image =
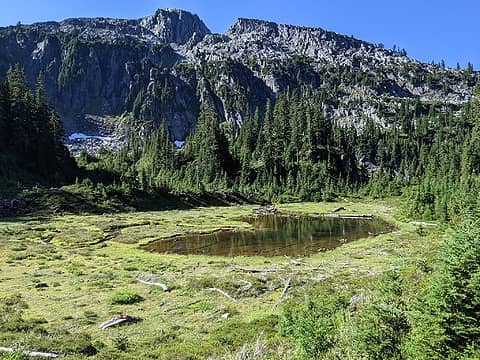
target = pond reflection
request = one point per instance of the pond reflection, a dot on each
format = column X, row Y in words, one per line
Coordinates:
column 274, row 235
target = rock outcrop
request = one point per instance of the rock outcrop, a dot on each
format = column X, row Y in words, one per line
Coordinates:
column 175, row 26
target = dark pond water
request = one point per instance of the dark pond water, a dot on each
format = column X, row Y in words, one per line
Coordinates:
column 275, row 235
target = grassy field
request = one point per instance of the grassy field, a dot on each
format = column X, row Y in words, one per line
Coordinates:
column 65, row 275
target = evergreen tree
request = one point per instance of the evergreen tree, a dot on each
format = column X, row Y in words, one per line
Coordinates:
column 208, row 147
column 31, row 131
column 446, row 322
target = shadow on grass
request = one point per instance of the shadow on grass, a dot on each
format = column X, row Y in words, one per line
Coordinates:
column 78, row 200
column 89, row 195
column 185, row 201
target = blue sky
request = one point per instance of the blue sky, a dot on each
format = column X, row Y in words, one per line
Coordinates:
column 428, row 30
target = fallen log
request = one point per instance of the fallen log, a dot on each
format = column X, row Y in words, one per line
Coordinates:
column 48, row 355
column 259, row 271
column 284, row 292
column 223, row 293
column 341, row 208
column 298, row 263
column 422, row 224
column 152, row 283
column 122, row 319
column 267, row 210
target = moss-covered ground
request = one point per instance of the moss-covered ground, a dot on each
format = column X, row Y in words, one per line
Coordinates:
column 70, row 271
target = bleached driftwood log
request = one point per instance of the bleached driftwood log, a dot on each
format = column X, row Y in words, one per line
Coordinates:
column 123, row 319
column 48, row 355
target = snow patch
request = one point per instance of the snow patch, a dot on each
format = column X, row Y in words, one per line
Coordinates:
column 81, row 136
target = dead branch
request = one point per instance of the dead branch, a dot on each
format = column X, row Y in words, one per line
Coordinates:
column 182, row 306
column 284, row 292
column 223, row 293
column 152, row 283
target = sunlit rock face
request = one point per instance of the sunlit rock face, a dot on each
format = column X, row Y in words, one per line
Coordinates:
column 175, row 26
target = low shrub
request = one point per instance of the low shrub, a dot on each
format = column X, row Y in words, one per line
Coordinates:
column 314, row 326
column 126, row 297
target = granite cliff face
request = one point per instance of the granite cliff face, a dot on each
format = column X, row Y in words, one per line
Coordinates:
column 160, row 68
column 175, row 26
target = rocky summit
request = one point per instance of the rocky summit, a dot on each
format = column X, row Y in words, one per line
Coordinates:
column 103, row 73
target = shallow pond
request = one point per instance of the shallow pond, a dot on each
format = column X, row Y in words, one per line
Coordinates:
column 274, row 235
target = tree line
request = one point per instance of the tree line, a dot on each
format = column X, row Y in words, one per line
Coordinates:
column 290, row 149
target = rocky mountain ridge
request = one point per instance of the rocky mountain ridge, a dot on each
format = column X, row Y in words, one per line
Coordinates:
column 165, row 26
column 160, row 68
